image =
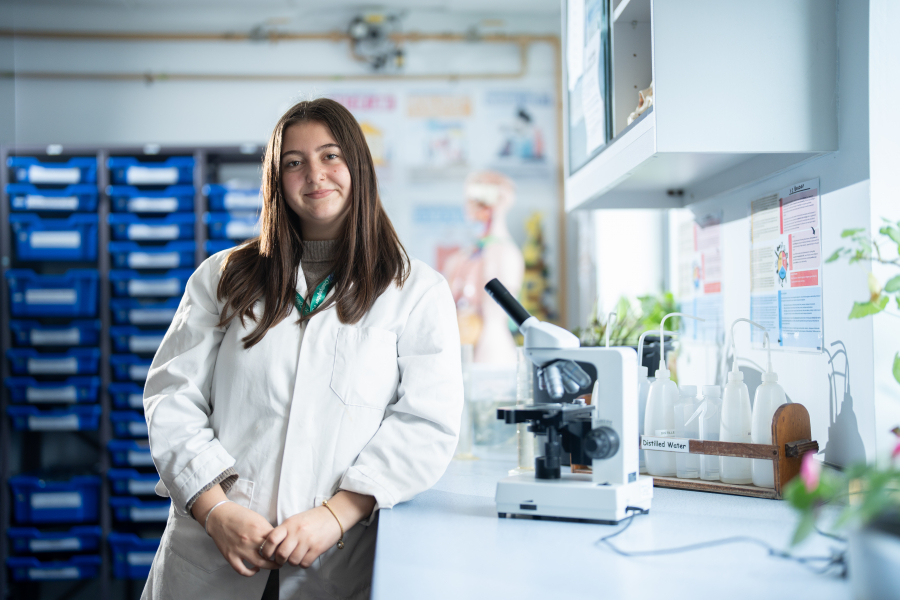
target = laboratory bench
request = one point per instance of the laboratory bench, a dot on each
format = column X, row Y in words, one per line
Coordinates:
column 449, row 543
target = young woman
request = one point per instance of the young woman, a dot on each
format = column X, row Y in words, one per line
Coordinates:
column 309, row 378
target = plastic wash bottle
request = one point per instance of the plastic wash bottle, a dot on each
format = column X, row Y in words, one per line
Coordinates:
column 687, row 466
column 769, row 396
column 659, row 419
column 644, row 382
column 735, row 424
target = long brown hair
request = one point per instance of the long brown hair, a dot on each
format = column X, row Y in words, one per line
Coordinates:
column 369, row 258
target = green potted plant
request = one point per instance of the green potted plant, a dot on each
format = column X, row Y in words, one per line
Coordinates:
column 870, row 492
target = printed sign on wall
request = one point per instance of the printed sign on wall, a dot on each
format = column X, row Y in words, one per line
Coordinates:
column 786, row 267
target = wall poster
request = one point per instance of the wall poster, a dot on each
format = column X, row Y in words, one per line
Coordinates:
column 700, row 278
column 786, row 268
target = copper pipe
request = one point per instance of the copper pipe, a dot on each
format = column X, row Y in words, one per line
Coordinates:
column 151, row 77
column 273, row 36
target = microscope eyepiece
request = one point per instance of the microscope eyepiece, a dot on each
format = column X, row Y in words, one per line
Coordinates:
column 510, row 305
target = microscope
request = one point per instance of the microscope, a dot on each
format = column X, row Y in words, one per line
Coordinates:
column 603, row 434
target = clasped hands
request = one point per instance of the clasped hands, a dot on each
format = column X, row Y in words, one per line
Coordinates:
column 245, row 538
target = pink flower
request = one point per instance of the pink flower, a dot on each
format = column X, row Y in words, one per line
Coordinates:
column 810, row 471
column 896, row 451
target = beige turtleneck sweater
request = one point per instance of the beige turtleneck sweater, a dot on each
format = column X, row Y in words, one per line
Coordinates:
column 317, row 260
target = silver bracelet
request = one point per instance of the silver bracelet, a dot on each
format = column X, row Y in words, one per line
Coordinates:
column 215, row 506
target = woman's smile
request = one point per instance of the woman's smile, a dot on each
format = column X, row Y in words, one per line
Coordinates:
column 317, row 194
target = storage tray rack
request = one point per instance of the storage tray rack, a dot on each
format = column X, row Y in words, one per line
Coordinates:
column 233, row 217
column 153, row 252
column 51, row 365
column 97, row 245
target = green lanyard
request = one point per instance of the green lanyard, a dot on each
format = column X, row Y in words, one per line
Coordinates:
column 321, row 291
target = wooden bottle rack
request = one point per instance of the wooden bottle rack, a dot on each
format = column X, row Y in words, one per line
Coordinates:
column 791, row 440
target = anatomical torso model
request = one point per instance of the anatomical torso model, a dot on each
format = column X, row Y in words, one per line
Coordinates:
column 489, row 196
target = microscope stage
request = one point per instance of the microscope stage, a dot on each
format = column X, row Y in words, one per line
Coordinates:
column 574, row 496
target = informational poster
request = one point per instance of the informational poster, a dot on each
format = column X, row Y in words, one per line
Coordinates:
column 786, row 267
column 378, row 118
column 515, row 124
column 700, row 278
column 438, row 230
column 436, row 140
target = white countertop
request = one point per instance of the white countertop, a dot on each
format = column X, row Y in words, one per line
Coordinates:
column 449, row 543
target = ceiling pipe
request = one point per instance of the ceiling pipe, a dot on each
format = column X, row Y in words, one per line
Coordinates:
column 522, row 41
column 272, row 36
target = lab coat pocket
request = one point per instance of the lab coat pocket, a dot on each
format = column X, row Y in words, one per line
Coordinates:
column 189, row 540
column 365, row 367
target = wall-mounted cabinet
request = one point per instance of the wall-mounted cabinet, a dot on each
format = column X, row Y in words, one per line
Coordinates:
column 741, row 90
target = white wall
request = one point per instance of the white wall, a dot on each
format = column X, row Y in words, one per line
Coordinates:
column 844, row 423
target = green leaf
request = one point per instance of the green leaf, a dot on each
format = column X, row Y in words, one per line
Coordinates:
column 897, row 365
column 805, row 526
column 864, row 309
column 835, row 256
column 893, row 285
column 891, row 232
column 851, row 232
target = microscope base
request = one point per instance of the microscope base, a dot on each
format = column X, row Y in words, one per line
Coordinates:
column 574, row 496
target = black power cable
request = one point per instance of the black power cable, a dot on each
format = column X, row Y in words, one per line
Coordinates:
column 837, row 558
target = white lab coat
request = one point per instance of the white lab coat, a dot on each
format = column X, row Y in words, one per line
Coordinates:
column 372, row 408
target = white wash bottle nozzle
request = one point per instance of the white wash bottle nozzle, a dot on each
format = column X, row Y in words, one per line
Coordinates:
column 769, row 396
column 659, row 417
column 736, row 417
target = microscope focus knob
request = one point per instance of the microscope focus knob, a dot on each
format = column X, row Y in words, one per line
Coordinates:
column 602, row 442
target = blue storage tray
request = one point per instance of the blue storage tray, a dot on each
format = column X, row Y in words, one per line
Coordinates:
column 129, row 170
column 28, row 540
column 175, row 198
column 132, row 555
column 132, row 311
column 223, row 198
column 28, row 169
column 129, row 482
column 128, row 226
column 131, row 339
column 37, row 500
column 78, row 197
column 29, row 568
column 28, row 390
column 127, row 395
column 131, row 255
column 135, row 510
column 69, row 239
column 71, row 295
column 216, row 246
column 128, row 367
column 228, row 226
column 76, row 333
column 128, row 282
column 77, row 361
column 130, row 453
column 128, row 424
column 81, row 417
